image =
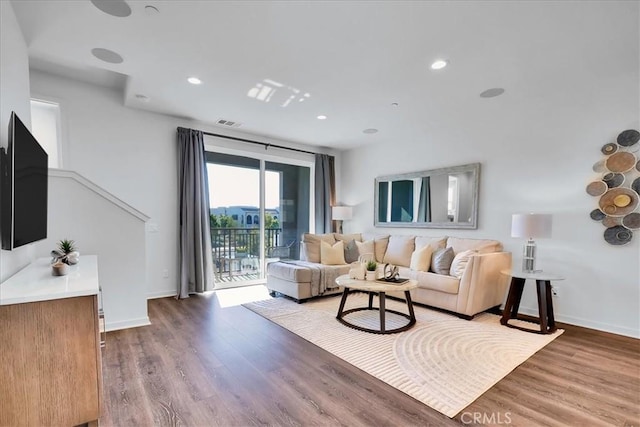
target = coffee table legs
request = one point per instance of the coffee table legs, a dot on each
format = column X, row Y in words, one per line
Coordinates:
column 382, row 309
column 382, row 298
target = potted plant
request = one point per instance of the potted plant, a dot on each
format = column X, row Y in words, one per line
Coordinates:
column 66, row 252
column 371, row 270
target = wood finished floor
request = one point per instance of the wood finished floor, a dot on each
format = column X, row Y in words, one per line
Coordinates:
column 202, row 365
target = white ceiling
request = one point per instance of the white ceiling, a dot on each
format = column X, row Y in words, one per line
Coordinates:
column 353, row 59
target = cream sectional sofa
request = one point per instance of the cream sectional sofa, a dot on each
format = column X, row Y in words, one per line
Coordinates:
column 475, row 287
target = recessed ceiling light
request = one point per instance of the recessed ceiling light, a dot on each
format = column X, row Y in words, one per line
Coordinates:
column 394, row 104
column 439, row 64
column 492, row 93
column 370, row 131
column 194, row 80
column 118, row 8
column 106, row 55
column 322, row 117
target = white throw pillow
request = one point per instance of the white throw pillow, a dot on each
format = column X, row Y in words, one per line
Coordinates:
column 366, row 248
column 332, row 255
column 421, row 259
column 460, row 262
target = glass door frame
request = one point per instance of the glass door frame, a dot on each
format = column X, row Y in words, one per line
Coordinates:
column 220, row 145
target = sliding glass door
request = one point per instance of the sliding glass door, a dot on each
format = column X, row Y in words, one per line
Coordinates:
column 258, row 210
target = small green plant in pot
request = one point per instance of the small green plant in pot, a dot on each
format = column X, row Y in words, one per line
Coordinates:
column 66, row 252
column 371, row 270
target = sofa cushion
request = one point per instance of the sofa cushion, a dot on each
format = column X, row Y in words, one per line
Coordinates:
column 481, row 245
column 437, row 282
column 351, row 252
column 348, row 237
column 291, row 272
column 460, row 261
column 332, row 254
column 399, row 250
column 442, row 259
column 311, row 245
column 421, row 258
column 366, row 248
column 435, row 242
column 380, row 242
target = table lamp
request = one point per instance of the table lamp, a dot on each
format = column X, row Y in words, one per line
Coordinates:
column 339, row 214
column 530, row 226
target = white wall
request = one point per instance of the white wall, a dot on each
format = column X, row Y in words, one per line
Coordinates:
column 100, row 227
column 14, row 96
column 132, row 154
column 537, row 154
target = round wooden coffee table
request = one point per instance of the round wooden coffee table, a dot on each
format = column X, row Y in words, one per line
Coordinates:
column 372, row 288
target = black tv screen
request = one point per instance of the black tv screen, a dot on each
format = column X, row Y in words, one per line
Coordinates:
column 24, row 189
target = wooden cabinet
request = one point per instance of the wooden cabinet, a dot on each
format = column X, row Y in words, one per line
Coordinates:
column 50, row 360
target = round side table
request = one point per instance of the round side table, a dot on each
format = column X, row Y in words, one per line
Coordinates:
column 545, row 303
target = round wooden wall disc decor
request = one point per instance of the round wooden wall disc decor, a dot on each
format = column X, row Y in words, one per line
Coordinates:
column 617, row 235
column 628, row 137
column 621, row 162
column 613, row 179
column 622, row 201
column 635, row 185
column 609, row 148
column 597, row 188
column 608, row 205
column 638, row 166
column 600, row 167
column 632, row 221
column 597, row 215
column 611, row 221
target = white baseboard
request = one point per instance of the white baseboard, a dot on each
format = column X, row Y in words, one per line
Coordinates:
column 586, row 323
column 125, row 324
column 161, row 294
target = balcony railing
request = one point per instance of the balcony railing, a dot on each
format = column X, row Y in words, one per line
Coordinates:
column 236, row 250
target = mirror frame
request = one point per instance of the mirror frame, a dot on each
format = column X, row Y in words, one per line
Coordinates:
column 474, row 168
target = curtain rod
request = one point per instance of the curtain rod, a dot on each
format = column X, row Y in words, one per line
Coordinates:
column 265, row 144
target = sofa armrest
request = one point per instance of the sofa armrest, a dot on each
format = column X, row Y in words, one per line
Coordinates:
column 482, row 286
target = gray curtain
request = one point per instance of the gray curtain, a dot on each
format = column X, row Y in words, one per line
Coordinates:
column 196, row 263
column 424, row 206
column 325, row 194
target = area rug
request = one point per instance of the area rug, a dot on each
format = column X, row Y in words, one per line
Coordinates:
column 443, row 361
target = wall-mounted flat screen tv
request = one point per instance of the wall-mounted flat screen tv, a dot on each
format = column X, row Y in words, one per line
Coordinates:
column 24, row 176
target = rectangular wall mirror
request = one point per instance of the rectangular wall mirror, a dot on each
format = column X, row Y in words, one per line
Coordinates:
column 438, row 198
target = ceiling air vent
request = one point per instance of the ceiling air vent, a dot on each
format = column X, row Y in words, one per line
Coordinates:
column 228, row 123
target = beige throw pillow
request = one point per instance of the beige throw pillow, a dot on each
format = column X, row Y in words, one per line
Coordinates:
column 332, row 255
column 399, row 250
column 366, row 248
column 421, row 259
column 312, row 245
column 460, row 262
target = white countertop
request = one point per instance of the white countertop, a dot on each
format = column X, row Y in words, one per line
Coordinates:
column 35, row 282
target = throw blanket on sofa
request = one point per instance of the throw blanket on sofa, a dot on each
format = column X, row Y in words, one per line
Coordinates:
column 323, row 277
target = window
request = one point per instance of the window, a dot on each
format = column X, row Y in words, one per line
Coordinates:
column 45, row 126
column 249, row 219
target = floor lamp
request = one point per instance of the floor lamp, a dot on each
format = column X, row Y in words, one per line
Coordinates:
column 339, row 214
column 530, row 226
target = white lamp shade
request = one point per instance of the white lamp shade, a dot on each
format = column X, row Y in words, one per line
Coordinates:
column 531, row 225
column 341, row 212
